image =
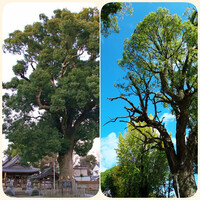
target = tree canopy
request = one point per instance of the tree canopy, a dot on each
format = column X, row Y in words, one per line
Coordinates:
column 54, row 103
column 161, row 60
column 110, row 14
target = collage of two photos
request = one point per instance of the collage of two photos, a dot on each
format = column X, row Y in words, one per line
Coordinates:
column 100, row 101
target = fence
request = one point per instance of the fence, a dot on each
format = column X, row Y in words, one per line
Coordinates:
column 83, row 188
column 63, row 193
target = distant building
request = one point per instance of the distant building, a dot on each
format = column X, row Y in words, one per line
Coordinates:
column 95, row 172
column 81, row 174
column 12, row 169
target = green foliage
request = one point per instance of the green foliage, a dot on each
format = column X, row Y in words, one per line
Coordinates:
column 192, row 15
column 108, row 180
column 12, row 150
column 34, row 140
column 163, row 44
column 53, row 79
column 110, row 14
column 142, row 168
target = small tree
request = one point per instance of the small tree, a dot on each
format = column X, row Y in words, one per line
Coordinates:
column 142, row 168
column 54, row 79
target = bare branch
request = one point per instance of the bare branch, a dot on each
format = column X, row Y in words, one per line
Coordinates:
column 32, row 66
column 115, row 119
column 124, row 98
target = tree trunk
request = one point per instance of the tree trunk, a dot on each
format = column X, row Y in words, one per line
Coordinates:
column 66, row 164
column 185, row 158
column 66, row 161
column 184, row 183
column 66, row 168
column 144, row 188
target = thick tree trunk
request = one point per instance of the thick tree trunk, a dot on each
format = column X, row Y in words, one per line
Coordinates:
column 66, row 169
column 185, row 157
column 181, row 167
column 184, row 184
column 144, row 189
column 66, row 164
column 66, row 160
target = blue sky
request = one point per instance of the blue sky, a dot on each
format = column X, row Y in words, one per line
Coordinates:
column 111, row 51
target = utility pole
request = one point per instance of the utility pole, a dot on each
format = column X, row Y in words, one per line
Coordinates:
column 54, row 174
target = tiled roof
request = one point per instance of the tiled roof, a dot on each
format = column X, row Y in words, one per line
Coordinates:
column 12, row 165
column 24, row 170
column 7, row 159
column 12, row 161
column 46, row 172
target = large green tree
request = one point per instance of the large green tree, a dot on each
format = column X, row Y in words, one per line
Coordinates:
column 53, row 78
column 161, row 59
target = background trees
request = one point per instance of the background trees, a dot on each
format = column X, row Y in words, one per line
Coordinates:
column 142, row 170
column 54, row 105
column 161, row 60
column 108, row 180
column 142, row 167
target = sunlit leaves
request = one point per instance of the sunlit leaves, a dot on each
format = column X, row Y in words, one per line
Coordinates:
column 162, row 43
column 139, row 162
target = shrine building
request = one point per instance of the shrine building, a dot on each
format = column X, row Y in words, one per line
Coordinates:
column 12, row 169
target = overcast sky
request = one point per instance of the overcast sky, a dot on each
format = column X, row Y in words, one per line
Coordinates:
column 16, row 16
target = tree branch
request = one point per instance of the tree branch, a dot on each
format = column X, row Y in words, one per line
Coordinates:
column 41, row 106
column 166, row 89
column 25, row 78
column 165, row 137
column 82, row 116
column 65, row 64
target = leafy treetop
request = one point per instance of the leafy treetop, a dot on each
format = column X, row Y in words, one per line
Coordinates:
column 53, row 79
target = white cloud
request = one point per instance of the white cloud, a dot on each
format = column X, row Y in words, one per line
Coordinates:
column 95, row 149
column 108, row 153
column 174, row 141
column 103, row 169
column 168, row 117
